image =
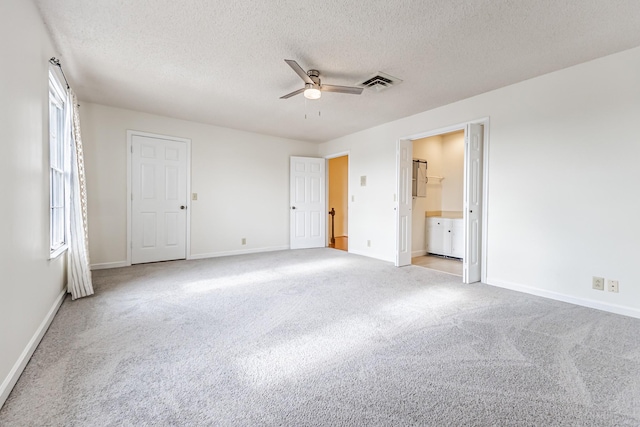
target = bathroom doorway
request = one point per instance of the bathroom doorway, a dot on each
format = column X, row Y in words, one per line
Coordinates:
column 441, row 239
column 437, row 231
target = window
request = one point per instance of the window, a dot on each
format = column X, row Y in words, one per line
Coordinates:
column 58, row 165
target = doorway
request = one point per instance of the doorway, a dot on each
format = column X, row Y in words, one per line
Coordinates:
column 437, row 237
column 338, row 202
column 444, row 229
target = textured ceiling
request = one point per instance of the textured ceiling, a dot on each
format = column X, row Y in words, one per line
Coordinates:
column 221, row 62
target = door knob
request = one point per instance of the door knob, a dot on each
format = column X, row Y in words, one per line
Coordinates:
column 293, row 207
column 183, row 207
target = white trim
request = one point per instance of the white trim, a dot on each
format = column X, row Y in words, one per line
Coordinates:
column 584, row 302
column 485, row 199
column 56, row 253
column 61, row 99
column 17, row 369
column 485, row 121
column 130, row 135
column 188, row 204
column 240, row 252
column 336, row 155
column 440, row 131
column 106, row 265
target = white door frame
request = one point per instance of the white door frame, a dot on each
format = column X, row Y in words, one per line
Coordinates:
column 326, row 186
column 130, row 135
column 485, row 179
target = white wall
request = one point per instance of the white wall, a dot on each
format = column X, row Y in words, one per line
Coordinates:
column 241, row 178
column 563, row 176
column 429, row 149
column 31, row 286
column 453, row 171
column 373, row 204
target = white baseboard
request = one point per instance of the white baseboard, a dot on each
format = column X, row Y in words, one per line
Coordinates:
column 585, row 302
column 106, row 265
column 21, row 363
column 421, row 252
column 238, row 252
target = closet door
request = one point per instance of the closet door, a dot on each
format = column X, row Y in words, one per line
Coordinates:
column 472, row 202
column 404, row 163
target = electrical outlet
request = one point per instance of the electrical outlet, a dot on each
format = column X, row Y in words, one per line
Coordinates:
column 244, row 240
column 369, row 243
column 612, row 286
column 598, row 283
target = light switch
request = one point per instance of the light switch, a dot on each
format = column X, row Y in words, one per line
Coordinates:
column 194, row 196
column 363, row 181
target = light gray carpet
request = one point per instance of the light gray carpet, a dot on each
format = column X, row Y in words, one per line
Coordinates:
column 322, row 337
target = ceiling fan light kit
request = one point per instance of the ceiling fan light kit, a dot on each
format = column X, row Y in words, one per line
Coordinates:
column 313, row 88
column 312, row 92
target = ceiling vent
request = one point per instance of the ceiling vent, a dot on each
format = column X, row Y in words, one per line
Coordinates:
column 379, row 82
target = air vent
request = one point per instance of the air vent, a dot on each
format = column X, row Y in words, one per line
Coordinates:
column 379, row 82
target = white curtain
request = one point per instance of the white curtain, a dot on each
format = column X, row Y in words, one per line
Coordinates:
column 78, row 271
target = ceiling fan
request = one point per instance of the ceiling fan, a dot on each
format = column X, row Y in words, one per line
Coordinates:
column 312, row 87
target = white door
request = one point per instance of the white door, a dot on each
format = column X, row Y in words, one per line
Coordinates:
column 472, row 203
column 307, row 207
column 158, row 199
column 404, row 156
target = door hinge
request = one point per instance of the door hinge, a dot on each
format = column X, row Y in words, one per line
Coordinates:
column 132, row 148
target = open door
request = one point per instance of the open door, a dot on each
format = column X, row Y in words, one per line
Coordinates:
column 404, row 157
column 307, row 203
column 471, row 271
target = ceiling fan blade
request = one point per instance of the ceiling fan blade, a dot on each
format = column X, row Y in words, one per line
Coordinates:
column 298, row 69
column 342, row 89
column 289, row 95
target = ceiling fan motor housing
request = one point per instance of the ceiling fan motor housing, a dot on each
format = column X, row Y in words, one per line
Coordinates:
column 314, row 75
